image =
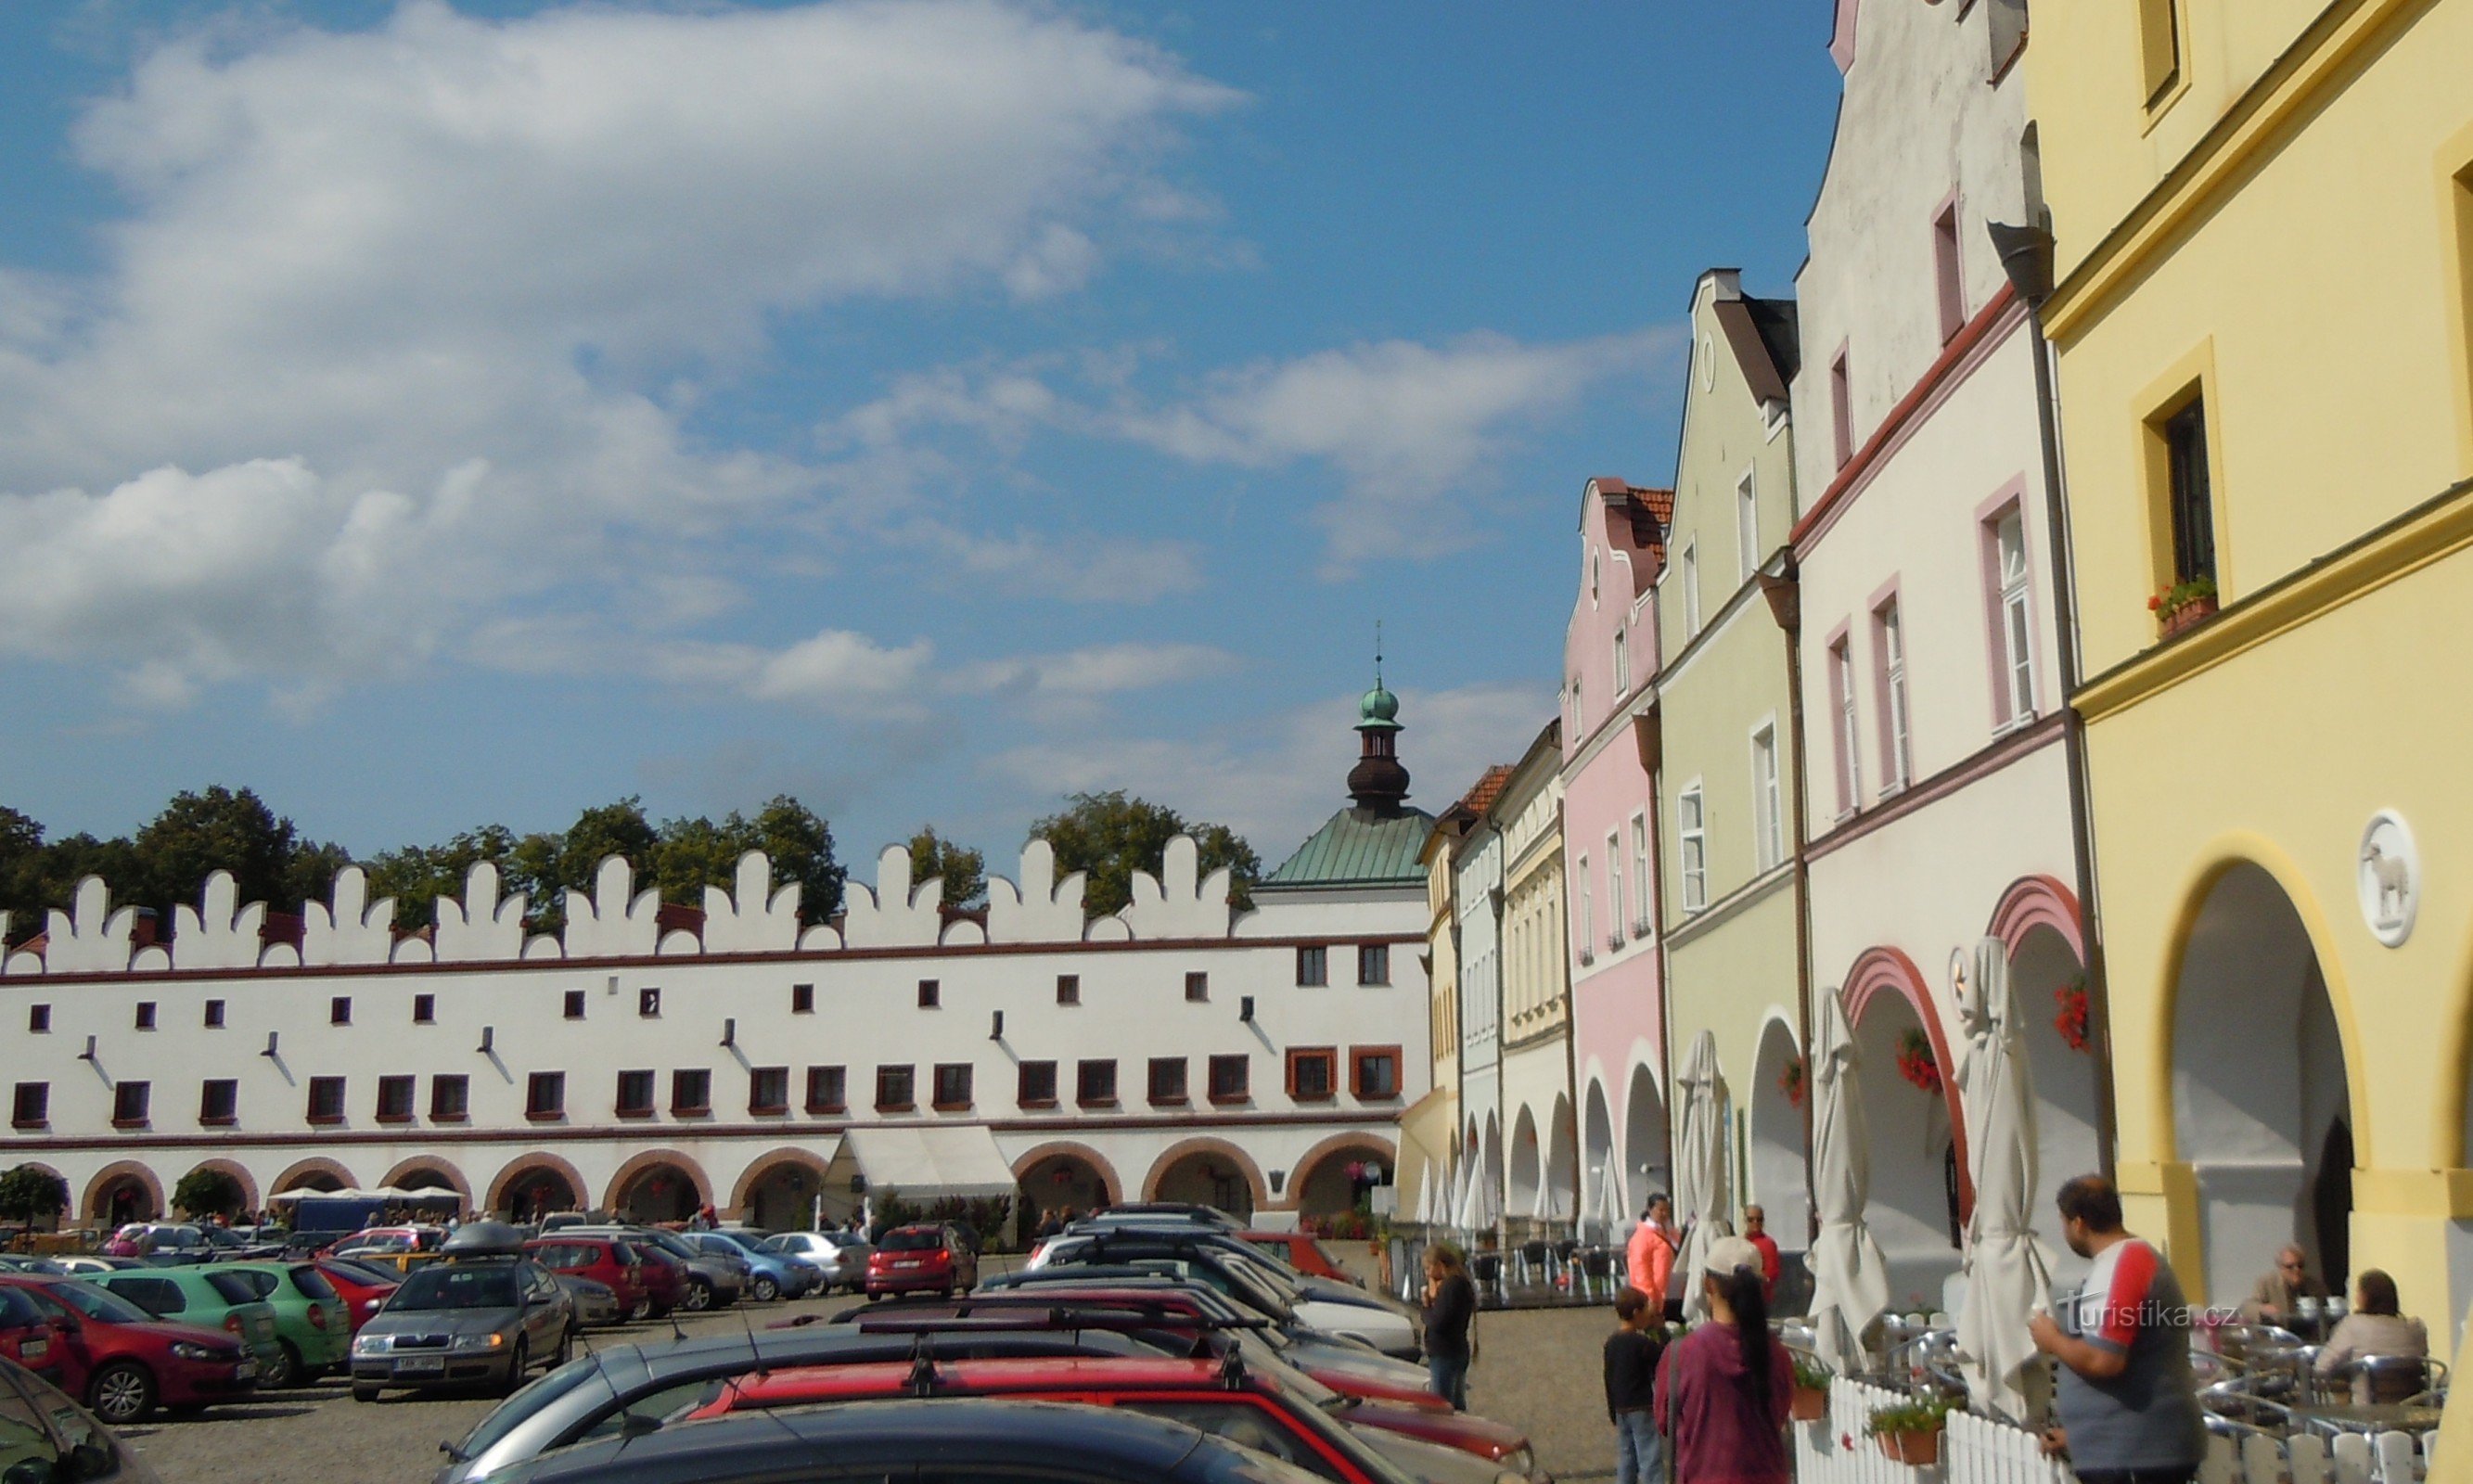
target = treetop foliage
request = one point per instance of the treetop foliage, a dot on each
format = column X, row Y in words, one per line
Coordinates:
column 1111, row 835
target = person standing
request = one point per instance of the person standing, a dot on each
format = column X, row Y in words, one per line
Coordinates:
column 1724, row 1389
column 1451, row 1323
column 1648, row 1257
column 1755, row 1230
column 2127, row 1405
column 1632, row 1352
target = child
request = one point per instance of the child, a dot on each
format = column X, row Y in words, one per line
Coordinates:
column 1631, row 1371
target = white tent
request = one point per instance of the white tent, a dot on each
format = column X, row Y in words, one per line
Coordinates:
column 936, row 1159
column 1700, row 1176
column 1850, row 1277
column 2008, row 1275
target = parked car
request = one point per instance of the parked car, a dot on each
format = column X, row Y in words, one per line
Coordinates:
column 80, row 1265
column 665, row 1277
column 485, row 1319
column 605, row 1260
column 707, row 1280
column 839, row 1258
column 46, row 1436
column 19, row 1262
column 32, row 1336
column 595, row 1303
column 924, row 1258
column 1299, row 1251
column 770, row 1274
column 363, row 1289
column 310, row 1317
column 1231, row 1266
column 124, row 1361
column 210, row 1300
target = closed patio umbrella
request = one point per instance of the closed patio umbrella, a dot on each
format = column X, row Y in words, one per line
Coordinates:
column 1850, row 1277
column 2008, row 1275
column 1700, row 1169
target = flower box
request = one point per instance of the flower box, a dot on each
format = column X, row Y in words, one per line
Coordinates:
column 1916, row 1450
column 1809, row 1403
column 2189, row 615
column 2184, row 606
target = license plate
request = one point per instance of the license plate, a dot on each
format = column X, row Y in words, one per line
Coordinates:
column 36, row 1350
column 246, row 1370
column 418, row 1364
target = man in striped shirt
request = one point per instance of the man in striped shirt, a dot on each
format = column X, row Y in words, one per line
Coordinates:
column 2128, row 1403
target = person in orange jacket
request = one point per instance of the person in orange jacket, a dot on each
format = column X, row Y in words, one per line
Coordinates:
column 1649, row 1255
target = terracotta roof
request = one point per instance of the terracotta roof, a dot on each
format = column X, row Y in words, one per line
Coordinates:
column 1488, row 787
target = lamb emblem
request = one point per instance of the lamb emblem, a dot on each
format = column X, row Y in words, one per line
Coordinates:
column 2391, row 874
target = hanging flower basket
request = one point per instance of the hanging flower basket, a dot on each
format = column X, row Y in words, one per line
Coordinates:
column 1917, row 1061
column 2072, row 1021
column 1790, row 1082
column 1811, row 1401
column 1911, row 1433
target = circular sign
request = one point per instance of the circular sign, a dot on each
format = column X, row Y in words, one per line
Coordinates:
column 2386, row 872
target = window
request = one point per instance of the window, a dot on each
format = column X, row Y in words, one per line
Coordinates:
column 573, row 1008
column 1768, row 827
column 128, row 1104
column 145, row 1015
column 1167, row 1080
column 803, row 999
column 394, row 1099
column 1841, row 411
column 1068, row 989
column 424, row 1009
column 1232, row 1078
column 1748, row 525
column 1314, row 1074
column 1640, row 898
column 1373, row 1073
column 450, row 1099
column 325, row 1099
column 2187, row 488
column 1888, row 638
column 894, row 1090
column 1374, row 963
column 691, row 1093
column 1614, row 892
column 1623, row 663
column 648, row 1002
column 1947, row 283
column 1313, row 967
column 339, row 1010
column 931, row 994
column 1094, row 1083
column 1842, row 709
column 952, row 1085
column 218, row 1101
column 635, row 1095
column 1691, row 591
column 39, row 1019
column 827, row 1090
column 546, row 1096
column 33, row 1105
column 2159, row 43
column 1691, row 836
column 1588, row 935
column 768, row 1089
column 214, row 1015
column 2013, row 692
column 1036, row 1084
column 1197, row 988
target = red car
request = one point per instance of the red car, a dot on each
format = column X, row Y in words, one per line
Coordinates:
column 665, row 1277
column 32, row 1337
column 363, row 1290
column 1300, row 1252
column 922, row 1260
column 122, row 1361
column 603, row 1259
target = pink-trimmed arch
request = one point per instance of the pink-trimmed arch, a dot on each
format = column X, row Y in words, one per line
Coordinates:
column 1887, row 971
column 2038, row 902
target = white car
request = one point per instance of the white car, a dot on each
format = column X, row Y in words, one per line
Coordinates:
column 1349, row 1314
column 841, row 1256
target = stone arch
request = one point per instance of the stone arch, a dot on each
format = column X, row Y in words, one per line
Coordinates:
column 1601, row 1197
column 1060, row 1154
column 1185, row 1148
column 314, row 1171
column 237, row 1171
column 1562, row 1170
column 1490, row 1207
column 116, row 1177
column 1648, row 1155
column 523, row 1167
column 1316, row 1170
column 2037, row 925
column 1885, row 970
column 1920, row 1190
column 1777, row 1152
column 2038, row 902
column 758, row 1169
column 1528, row 1168
column 407, row 1171
column 622, row 1184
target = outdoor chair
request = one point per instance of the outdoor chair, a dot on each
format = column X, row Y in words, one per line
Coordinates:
column 1533, row 1265
column 1598, row 1266
column 2393, row 1379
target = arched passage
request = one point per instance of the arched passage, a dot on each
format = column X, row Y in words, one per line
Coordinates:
column 1208, row 1172
column 1917, row 1207
column 1490, row 1208
column 536, row 1184
column 658, row 1184
column 1562, row 1164
column 430, row 1173
column 1528, row 1172
column 1601, row 1195
column 317, row 1174
column 121, row 1192
column 247, row 1200
column 777, row 1190
column 2262, row 1109
column 1646, row 1145
column 1323, row 1183
column 1776, row 1156
column 1062, row 1177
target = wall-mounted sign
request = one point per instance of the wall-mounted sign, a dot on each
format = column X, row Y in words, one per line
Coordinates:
column 2388, row 873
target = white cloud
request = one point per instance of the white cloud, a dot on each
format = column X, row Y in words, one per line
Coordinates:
column 1101, row 670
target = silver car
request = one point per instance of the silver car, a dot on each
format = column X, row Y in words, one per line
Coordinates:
column 484, row 1320
column 841, row 1256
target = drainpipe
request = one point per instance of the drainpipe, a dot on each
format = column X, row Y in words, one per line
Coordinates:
column 2027, row 257
column 1571, row 1037
column 1651, row 740
column 1784, row 589
column 1501, row 1023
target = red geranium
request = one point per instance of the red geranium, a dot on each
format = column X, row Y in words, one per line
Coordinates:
column 2072, row 1021
column 1917, row 1061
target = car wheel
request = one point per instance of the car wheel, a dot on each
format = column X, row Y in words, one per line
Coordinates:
column 874, row 1297
column 362, row 1392
column 565, row 1351
column 699, row 1297
column 517, row 1364
column 121, row 1393
column 765, row 1289
column 641, row 1309
column 283, row 1370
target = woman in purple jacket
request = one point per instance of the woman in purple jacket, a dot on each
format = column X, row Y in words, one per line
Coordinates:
column 1722, row 1391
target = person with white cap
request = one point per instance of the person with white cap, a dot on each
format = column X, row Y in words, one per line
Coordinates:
column 1723, row 1390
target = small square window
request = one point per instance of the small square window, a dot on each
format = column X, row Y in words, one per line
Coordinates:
column 768, row 1089
column 1036, row 1086
column 1167, row 1080
column 145, row 1015
column 39, row 1019
column 573, row 1008
column 1197, row 988
column 1094, row 1083
column 635, row 1095
column 1375, row 1072
column 33, row 1108
column 1314, row 1074
column 691, row 1094
column 128, row 1104
column 218, row 1102
column 1313, row 966
column 1068, row 989
column 894, row 1090
column 952, row 1085
column 450, row 1099
column 648, row 1002
column 215, row 1021
column 424, row 1009
column 1374, row 963
column 803, row 999
column 325, row 1099
column 825, row 1089
column 930, row 994
column 1232, row 1078
column 546, row 1096
column 339, row 1010
column 394, row 1099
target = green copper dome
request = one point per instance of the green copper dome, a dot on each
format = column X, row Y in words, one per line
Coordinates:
column 1379, row 708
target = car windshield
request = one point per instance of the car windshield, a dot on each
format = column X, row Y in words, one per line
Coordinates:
column 456, row 1287
column 912, row 1239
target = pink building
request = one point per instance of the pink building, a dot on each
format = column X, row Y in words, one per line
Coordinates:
column 1610, row 652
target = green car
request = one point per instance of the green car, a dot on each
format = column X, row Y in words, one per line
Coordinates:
column 212, row 1301
column 310, row 1317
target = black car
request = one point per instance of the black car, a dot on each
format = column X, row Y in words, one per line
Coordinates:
column 951, row 1441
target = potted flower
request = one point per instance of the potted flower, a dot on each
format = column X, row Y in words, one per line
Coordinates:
column 1917, row 1061
column 1790, row 1082
column 2184, row 605
column 1910, row 1433
column 1811, row 1378
column 2072, row 1021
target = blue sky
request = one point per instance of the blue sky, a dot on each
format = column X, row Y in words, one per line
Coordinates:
column 437, row 414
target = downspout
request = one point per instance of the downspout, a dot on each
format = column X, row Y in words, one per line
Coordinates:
column 1785, row 593
column 1652, row 739
column 1571, row 1027
column 1502, row 1021
column 2026, row 256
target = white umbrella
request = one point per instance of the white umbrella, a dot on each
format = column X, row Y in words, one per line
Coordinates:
column 1850, row 1278
column 2008, row 1276
column 1700, row 1174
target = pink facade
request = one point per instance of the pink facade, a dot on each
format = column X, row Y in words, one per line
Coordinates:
column 1609, row 821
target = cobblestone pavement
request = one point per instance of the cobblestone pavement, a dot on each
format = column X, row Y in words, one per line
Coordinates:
column 1536, row 1369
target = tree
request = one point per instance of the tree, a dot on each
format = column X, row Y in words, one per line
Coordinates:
column 29, row 1194
column 417, row 875
column 694, row 854
column 21, row 874
column 965, row 871
column 207, row 1192
column 213, row 829
column 1111, row 835
column 800, row 845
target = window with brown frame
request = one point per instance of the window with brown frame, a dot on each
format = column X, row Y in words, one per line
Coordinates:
column 39, row 1019
column 634, row 1098
column 1232, row 1078
column 691, row 1093
column 394, row 1099
column 573, row 1006
column 325, row 1100
column 1313, row 966
column 894, row 1092
column 803, row 999
column 450, row 1099
column 546, row 1096
column 952, row 1085
column 1068, row 989
column 827, row 1089
column 130, row 1104
column 214, row 1017
column 219, row 1102
column 1314, row 1074
column 1036, row 1087
column 339, row 1010
column 1374, row 963
column 1094, row 1083
column 33, row 1106
column 1168, row 1081
column 424, row 1009
column 931, row 994
column 1373, row 1073
column 768, row 1089
column 1197, row 988
column 145, row 1015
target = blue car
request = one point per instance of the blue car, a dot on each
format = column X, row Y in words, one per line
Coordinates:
column 770, row 1274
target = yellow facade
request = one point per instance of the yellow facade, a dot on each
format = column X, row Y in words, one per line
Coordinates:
column 2266, row 207
column 1431, row 1127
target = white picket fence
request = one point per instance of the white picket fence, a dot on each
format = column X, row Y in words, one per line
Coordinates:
column 1839, row 1449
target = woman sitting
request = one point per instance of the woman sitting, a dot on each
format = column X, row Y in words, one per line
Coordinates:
column 2373, row 1328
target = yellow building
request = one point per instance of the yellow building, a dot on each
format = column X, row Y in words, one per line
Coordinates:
column 2262, row 212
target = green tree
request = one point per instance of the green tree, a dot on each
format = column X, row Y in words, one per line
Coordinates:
column 21, row 874
column 417, row 875
column 29, row 1194
column 965, row 871
column 800, row 845
column 215, row 829
column 598, row 833
column 1111, row 835
column 204, row 1192
column 694, row 854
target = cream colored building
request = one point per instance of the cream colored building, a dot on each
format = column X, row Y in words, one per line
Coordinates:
column 1542, row 1168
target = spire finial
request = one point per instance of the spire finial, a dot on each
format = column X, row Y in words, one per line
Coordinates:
column 1378, row 653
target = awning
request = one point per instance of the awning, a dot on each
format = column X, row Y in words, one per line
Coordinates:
column 953, row 1159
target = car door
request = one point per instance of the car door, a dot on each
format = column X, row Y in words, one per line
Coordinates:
column 544, row 1311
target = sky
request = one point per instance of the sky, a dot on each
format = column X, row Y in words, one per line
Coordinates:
column 432, row 413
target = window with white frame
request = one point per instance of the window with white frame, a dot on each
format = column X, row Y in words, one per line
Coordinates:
column 1691, row 838
column 1768, row 832
column 1747, row 524
column 1889, row 640
column 1640, row 876
column 1841, row 699
column 1614, row 891
column 1691, row 591
column 2017, row 629
column 1623, row 663
column 1588, row 933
